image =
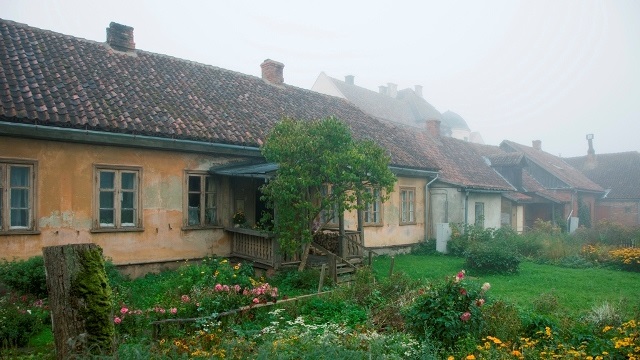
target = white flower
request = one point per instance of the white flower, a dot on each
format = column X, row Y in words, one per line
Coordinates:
column 486, row 286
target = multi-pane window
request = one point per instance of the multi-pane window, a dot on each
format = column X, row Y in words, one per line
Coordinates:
column 479, row 214
column 407, row 205
column 17, row 196
column 200, row 200
column 118, row 198
column 373, row 210
column 329, row 216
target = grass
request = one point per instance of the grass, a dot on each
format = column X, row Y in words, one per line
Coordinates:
column 577, row 290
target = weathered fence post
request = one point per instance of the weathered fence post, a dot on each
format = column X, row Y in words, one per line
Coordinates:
column 79, row 298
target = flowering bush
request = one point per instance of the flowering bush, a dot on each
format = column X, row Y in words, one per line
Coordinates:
column 239, row 218
column 20, row 318
column 447, row 311
column 626, row 258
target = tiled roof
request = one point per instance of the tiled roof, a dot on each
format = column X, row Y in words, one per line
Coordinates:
column 619, row 172
column 507, row 159
column 553, row 165
column 51, row 79
column 407, row 107
column 463, row 163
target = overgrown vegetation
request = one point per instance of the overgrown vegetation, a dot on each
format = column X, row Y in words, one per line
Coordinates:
column 426, row 309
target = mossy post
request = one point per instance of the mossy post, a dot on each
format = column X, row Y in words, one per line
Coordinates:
column 80, row 300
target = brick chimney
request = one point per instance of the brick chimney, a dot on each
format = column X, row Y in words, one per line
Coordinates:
column 120, row 37
column 418, row 90
column 349, row 79
column 272, row 72
column 591, row 153
column 433, row 127
column 537, row 144
column 393, row 90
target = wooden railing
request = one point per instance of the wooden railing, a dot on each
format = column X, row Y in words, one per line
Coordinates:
column 352, row 245
column 260, row 247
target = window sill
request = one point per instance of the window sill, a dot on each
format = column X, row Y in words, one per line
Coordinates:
column 208, row 227
column 372, row 225
column 110, row 230
column 408, row 223
column 20, row 232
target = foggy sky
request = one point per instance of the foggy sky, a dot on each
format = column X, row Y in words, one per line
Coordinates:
column 519, row 70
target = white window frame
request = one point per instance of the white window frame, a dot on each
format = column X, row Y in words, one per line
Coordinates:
column 407, row 206
column 118, row 198
column 202, row 193
column 372, row 214
column 6, row 191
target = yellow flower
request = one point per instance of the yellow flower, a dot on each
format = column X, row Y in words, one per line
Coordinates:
column 471, row 357
column 451, row 358
column 516, row 353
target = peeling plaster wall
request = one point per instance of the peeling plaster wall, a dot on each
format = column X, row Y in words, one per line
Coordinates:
column 64, row 202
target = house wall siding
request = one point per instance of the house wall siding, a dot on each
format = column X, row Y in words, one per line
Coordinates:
column 65, row 196
column 626, row 213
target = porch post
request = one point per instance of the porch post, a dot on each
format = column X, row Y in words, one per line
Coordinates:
column 343, row 244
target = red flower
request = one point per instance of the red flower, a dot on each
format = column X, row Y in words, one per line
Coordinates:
column 465, row 316
column 463, row 292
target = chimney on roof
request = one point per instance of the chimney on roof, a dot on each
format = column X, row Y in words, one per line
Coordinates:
column 418, row 90
column 537, row 144
column 433, row 127
column 393, row 90
column 349, row 79
column 120, row 37
column 383, row 89
column 591, row 153
column 272, row 72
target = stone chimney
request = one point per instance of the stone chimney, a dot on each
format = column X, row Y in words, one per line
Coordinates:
column 537, row 144
column 272, row 72
column 383, row 89
column 349, row 79
column 418, row 90
column 433, row 127
column 120, row 37
column 393, row 90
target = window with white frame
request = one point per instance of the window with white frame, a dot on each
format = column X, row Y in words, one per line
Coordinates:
column 329, row 216
column 17, row 196
column 373, row 210
column 479, row 210
column 407, row 206
column 118, row 201
column 200, row 200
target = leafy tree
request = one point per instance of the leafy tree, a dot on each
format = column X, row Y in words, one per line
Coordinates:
column 310, row 156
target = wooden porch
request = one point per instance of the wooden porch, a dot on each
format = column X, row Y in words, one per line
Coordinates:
column 340, row 253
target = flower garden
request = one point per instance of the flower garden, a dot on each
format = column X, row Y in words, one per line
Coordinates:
column 572, row 298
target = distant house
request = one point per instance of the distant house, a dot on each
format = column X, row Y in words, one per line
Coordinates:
column 548, row 188
column 619, row 174
column 149, row 156
column 406, row 106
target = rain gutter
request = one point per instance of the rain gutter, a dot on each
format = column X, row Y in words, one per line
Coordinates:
column 426, row 207
column 120, row 139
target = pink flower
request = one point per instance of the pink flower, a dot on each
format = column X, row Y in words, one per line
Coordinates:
column 185, row 298
column 225, row 288
column 124, row 310
column 256, row 300
column 218, row 287
column 117, row 320
column 236, row 288
column 460, row 276
column 465, row 316
column 463, row 292
column 174, row 310
column 480, row 302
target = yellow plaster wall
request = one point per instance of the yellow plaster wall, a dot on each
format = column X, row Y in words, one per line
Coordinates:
column 65, row 194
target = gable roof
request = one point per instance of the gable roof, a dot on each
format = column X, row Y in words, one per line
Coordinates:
column 554, row 166
column 55, row 80
column 619, row 172
column 406, row 107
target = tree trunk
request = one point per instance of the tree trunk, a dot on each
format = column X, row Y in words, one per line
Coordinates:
column 80, row 300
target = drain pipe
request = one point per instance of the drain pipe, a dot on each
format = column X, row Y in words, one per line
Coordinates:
column 466, row 207
column 426, row 207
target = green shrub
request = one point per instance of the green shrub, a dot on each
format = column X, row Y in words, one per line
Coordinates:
column 21, row 317
column 293, row 281
column 546, row 303
column 425, row 248
column 492, row 257
column 502, row 321
column 25, row 276
column 447, row 311
column 603, row 315
column 464, row 235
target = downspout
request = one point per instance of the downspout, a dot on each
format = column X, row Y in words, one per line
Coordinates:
column 466, row 207
column 426, row 207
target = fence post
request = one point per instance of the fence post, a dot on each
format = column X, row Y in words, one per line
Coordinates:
column 393, row 260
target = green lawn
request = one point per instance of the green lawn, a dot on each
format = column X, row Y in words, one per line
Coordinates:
column 577, row 290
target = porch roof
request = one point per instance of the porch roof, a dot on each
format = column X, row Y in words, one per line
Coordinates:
column 253, row 170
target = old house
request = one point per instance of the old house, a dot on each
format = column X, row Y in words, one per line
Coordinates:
column 618, row 174
column 406, row 106
column 554, row 190
column 149, row 156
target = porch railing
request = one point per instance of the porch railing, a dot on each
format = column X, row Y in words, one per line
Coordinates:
column 259, row 247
